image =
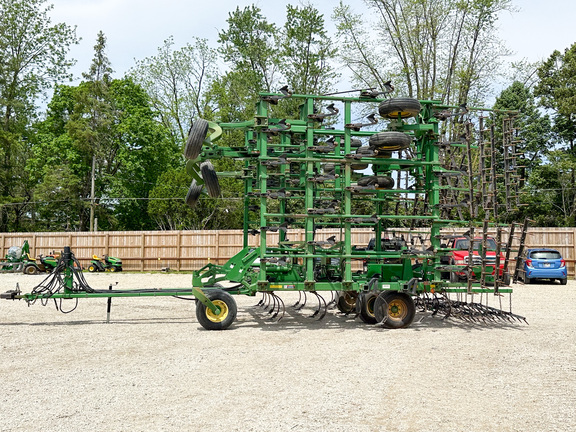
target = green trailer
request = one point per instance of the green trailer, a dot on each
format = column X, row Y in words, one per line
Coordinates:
column 408, row 174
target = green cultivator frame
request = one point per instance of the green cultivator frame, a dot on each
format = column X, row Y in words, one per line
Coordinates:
column 410, row 173
column 302, row 175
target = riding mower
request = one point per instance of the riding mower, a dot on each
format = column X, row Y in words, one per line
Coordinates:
column 42, row 264
column 106, row 263
column 16, row 259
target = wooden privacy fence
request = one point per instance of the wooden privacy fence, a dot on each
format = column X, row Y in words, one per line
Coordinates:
column 190, row 250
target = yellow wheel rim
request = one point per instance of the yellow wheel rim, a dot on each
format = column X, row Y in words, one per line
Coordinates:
column 220, row 316
column 370, row 305
column 397, row 310
column 350, row 300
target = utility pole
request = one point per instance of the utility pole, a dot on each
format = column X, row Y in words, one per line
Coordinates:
column 92, row 198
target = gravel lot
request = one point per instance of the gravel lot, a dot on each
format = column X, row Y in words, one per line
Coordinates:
column 153, row 367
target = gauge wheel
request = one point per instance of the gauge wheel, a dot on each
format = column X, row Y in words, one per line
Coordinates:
column 400, row 107
column 30, row 270
column 347, row 301
column 367, row 302
column 196, row 137
column 210, row 179
column 193, row 194
column 221, row 320
column 92, row 268
column 394, row 309
column 390, row 141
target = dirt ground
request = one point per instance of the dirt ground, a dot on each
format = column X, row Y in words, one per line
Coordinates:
column 153, row 367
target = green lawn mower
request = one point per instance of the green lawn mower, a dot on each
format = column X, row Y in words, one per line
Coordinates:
column 106, row 263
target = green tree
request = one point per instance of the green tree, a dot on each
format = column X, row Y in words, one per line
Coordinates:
column 556, row 89
column 32, row 56
column 176, row 81
column 306, row 51
column 430, row 49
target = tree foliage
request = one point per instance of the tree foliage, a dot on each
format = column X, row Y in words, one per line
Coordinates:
column 430, row 49
column 32, row 56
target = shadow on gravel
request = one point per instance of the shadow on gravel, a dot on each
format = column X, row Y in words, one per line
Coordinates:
column 302, row 319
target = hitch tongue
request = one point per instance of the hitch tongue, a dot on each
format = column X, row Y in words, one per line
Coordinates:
column 11, row 294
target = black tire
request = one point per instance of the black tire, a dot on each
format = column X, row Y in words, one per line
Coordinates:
column 367, row 307
column 92, row 268
column 382, row 182
column 364, row 151
column 31, row 269
column 196, row 137
column 395, row 308
column 355, row 143
column 527, row 280
column 506, row 279
column 400, row 107
column 210, row 179
column 225, row 318
column 454, row 278
column 563, row 281
column 193, row 194
column 390, row 141
column 384, row 154
column 347, row 301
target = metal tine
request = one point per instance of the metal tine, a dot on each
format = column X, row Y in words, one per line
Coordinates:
column 298, row 307
column 261, row 302
column 281, row 306
column 267, row 302
column 273, row 308
column 320, row 301
column 332, row 303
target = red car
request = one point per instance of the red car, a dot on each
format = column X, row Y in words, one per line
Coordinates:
column 460, row 256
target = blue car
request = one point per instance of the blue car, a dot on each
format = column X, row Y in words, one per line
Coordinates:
column 543, row 263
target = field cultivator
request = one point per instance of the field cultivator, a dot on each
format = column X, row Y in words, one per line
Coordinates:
column 320, row 175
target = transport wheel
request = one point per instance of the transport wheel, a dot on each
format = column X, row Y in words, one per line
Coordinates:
column 367, row 307
column 221, row 321
column 563, row 281
column 196, row 137
column 398, row 309
column 193, row 194
column 30, row 270
column 390, row 141
column 347, row 301
column 92, row 268
column 399, row 107
column 210, row 179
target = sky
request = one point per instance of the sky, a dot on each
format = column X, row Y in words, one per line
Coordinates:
column 135, row 29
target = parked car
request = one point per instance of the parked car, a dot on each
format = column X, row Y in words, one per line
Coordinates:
column 542, row 263
column 460, row 256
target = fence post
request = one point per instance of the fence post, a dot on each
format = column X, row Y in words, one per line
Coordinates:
column 143, row 241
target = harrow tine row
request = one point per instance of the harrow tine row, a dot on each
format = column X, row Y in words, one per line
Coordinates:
column 466, row 311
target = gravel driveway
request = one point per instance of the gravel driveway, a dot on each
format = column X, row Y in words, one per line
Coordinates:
column 154, row 368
